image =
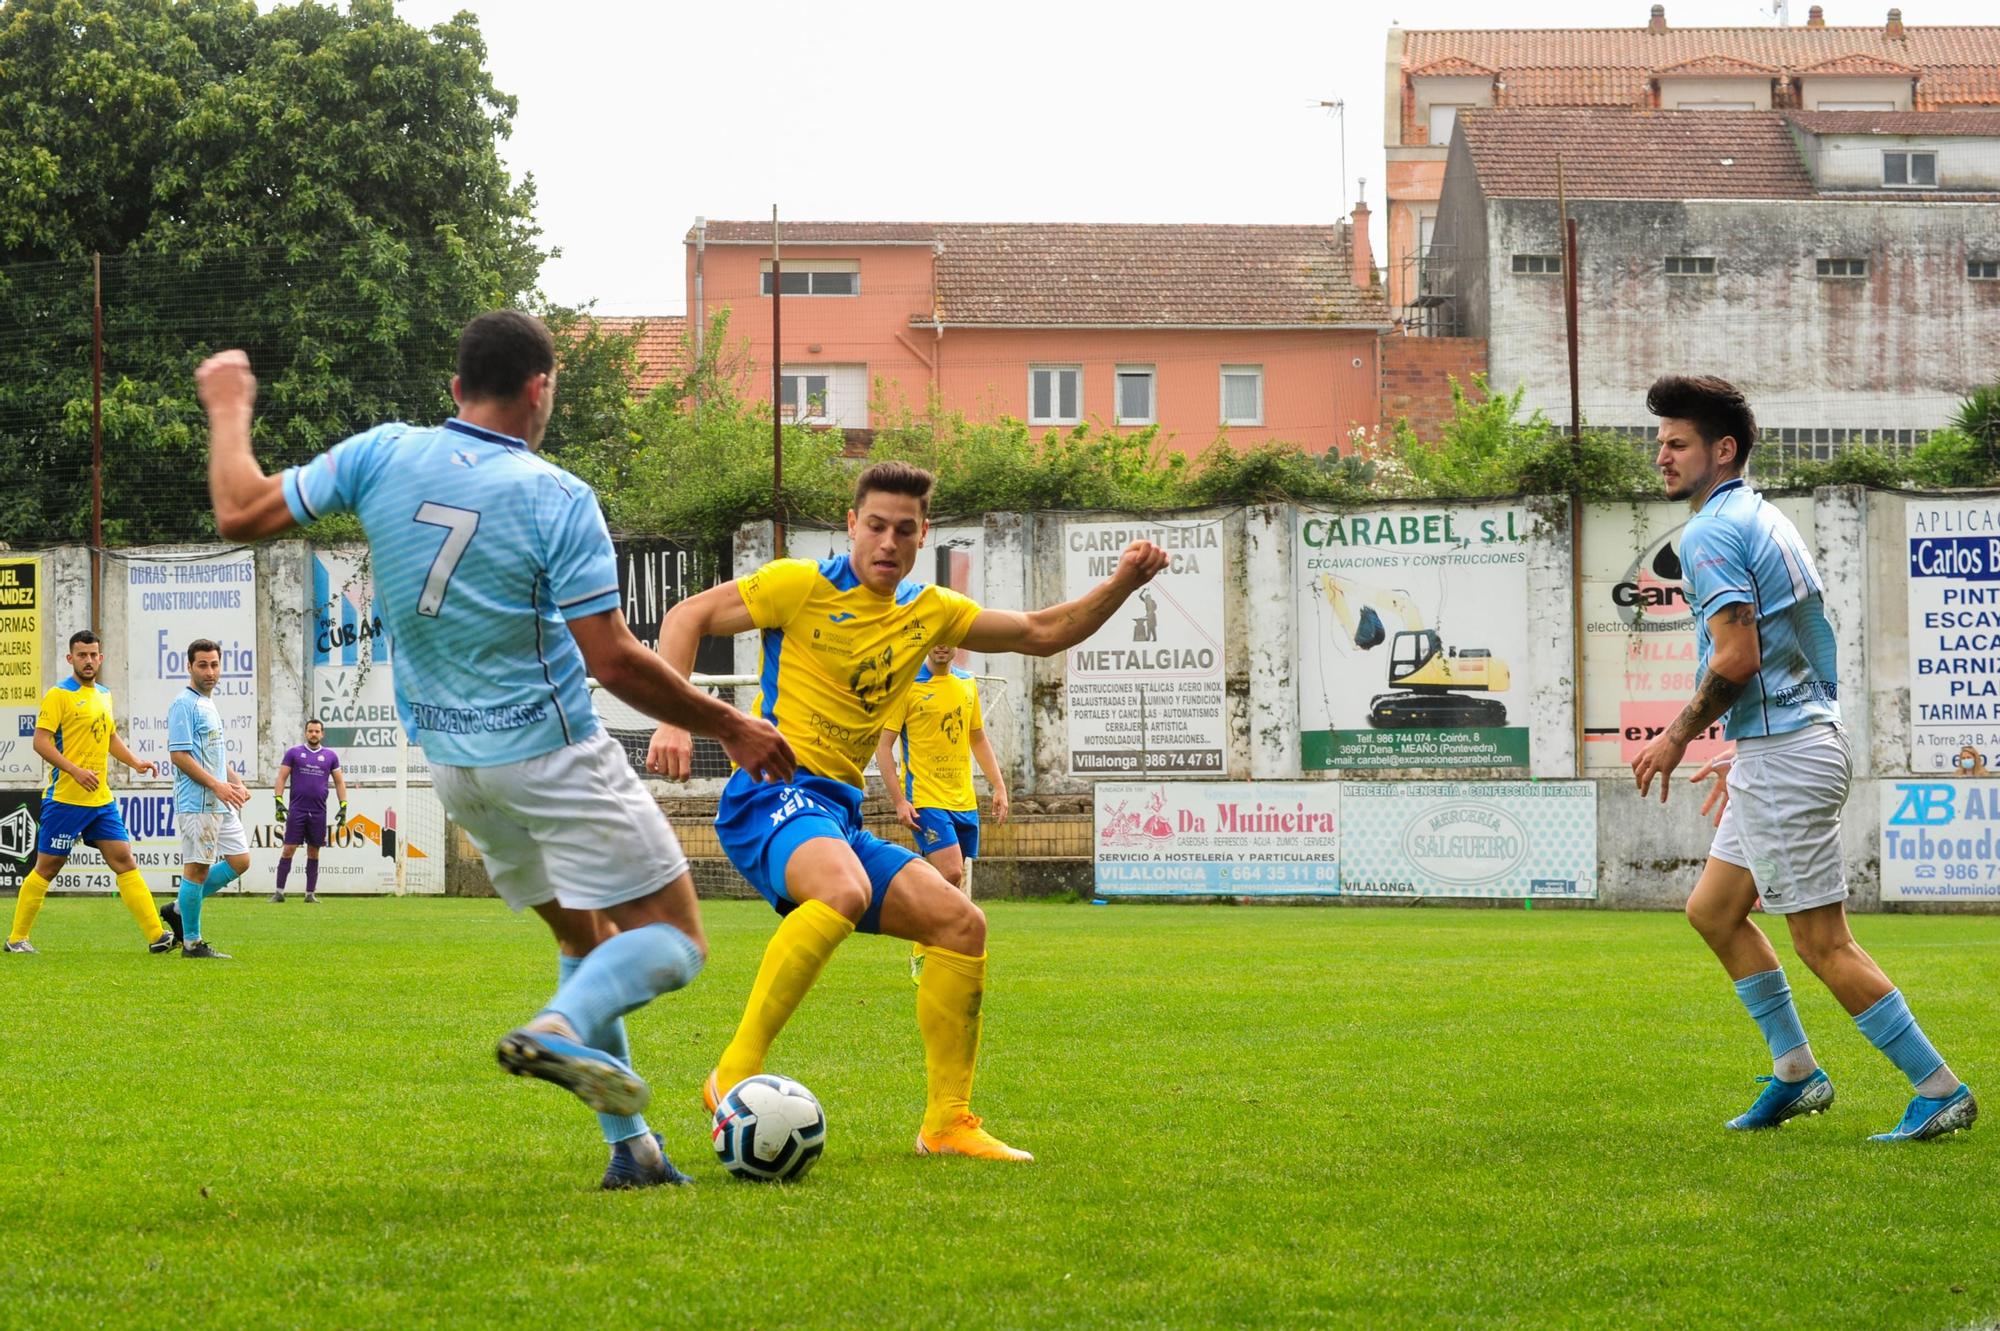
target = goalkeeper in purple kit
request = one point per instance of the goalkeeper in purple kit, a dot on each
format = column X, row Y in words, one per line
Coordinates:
column 308, row 767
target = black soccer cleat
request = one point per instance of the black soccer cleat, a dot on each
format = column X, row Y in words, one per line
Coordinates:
column 202, row 950
column 165, row 943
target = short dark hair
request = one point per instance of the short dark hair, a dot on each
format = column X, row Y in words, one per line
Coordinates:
column 200, row 645
column 1715, row 406
column 896, row 478
column 312, row 721
column 500, row 351
column 81, row 635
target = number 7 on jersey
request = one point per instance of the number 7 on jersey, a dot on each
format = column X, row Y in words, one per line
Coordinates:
column 459, row 524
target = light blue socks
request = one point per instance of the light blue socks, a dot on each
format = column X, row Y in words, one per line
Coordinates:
column 625, row 972
column 192, row 894
column 1769, row 999
column 1890, row 1028
column 617, row 1127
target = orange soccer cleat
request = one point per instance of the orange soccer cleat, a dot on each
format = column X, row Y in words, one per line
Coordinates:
column 966, row 1137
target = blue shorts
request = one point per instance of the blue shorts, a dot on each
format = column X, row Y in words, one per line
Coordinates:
column 939, row 828
column 760, row 824
column 65, row 825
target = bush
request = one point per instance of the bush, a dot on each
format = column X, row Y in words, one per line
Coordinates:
column 694, row 459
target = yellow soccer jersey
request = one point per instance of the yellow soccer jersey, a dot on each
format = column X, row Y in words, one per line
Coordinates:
column 836, row 654
column 937, row 718
column 79, row 716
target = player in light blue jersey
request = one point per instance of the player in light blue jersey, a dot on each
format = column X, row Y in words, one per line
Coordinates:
column 1767, row 662
column 495, row 573
column 215, row 850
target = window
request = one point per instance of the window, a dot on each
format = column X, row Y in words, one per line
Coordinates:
column 1426, row 228
column 814, row 277
column 1983, row 270
column 1843, row 267
column 1242, row 395
column 1538, row 263
column 1135, row 395
column 811, row 388
column 825, row 395
column 1055, row 394
column 1909, row 170
column 1690, row 265
column 1441, row 122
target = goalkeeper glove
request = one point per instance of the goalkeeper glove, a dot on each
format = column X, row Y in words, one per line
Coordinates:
column 340, row 816
column 279, row 800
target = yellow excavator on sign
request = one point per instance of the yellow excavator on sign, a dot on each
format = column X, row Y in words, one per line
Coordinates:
column 1436, row 681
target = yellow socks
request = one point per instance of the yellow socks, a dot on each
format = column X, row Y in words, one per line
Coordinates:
column 138, row 899
column 28, row 905
column 792, row 961
column 948, row 1001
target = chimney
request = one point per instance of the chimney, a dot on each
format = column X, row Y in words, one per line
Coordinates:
column 1658, row 23
column 1815, row 17
column 1357, row 246
column 1894, row 32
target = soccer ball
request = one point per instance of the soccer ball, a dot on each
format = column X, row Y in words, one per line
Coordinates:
column 769, row 1129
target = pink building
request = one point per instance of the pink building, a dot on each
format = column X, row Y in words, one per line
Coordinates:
column 1269, row 332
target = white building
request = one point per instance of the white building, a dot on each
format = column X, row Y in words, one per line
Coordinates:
column 1843, row 267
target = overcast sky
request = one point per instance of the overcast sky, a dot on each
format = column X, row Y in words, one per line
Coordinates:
column 637, row 117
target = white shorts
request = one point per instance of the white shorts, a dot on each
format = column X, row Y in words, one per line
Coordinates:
column 209, row 838
column 1783, row 819
column 573, row 826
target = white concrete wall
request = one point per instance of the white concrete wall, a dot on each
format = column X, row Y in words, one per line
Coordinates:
column 1703, row 94
column 1897, row 349
column 284, row 658
column 1828, row 92
column 1649, row 856
column 1854, row 161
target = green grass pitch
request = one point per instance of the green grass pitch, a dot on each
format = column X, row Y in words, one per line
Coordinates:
column 1262, row 1117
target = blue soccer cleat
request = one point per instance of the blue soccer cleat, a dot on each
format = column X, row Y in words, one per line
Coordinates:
column 1927, row 1118
column 1781, row 1100
column 625, row 1171
column 591, row 1075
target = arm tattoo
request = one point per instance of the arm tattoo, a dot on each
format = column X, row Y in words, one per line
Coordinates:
column 1717, row 693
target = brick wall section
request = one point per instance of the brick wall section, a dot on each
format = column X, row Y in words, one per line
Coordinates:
column 1417, row 374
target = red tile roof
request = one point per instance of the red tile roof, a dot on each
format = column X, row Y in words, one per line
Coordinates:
column 1074, row 274
column 1725, row 66
column 1944, row 89
column 1071, row 274
column 1635, row 154
column 820, row 233
column 1933, row 124
column 661, row 353
column 1452, row 67
column 1569, row 87
column 1613, row 66
column 1860, row 64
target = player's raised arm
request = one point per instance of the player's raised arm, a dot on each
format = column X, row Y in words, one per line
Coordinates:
column 1059, row 627
column 719, row 612
column 621, row 663
column 248, row 504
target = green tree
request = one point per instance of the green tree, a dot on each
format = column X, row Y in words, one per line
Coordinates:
column 320, row 186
